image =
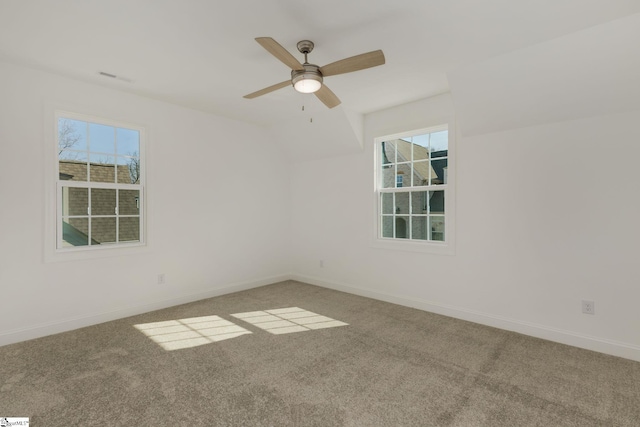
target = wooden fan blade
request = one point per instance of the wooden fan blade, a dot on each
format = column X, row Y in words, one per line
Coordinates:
column 354, row 63
column 275, row 49
column 268, row 89
column 327, row 97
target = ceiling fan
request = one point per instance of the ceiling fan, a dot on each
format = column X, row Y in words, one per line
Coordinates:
column 308, row 78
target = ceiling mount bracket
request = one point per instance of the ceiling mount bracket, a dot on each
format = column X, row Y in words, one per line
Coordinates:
column 305, row 46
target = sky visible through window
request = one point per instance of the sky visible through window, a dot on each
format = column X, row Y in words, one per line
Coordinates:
column 104, row 139
column 435, row 141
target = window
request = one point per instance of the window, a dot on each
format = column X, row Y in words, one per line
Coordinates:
column 412, row 186
column 100, row 183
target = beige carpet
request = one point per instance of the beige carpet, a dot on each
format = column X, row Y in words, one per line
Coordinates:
column 388, row 366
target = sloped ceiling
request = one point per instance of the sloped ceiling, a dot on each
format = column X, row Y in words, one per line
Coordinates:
column 588, row 73
column 202, row 54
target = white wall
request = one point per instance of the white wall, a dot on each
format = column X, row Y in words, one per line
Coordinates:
column 218, row 212
column 546, row 216
column 319, row 134
column 547, row 202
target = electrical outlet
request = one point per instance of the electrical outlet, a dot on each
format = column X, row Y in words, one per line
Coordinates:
column 162, row 279
column 588, row 307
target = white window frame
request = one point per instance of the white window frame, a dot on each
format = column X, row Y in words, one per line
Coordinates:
column 446, row 247
column 58, row 248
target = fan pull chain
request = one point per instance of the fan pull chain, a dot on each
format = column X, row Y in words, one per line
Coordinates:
column 310, row 118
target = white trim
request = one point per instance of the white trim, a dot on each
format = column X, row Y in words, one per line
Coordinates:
column 415, row 132
column 432, row 247
column 71, row 323
column 588, row 342
column 52, row 214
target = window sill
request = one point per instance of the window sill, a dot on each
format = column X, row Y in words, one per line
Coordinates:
column 95, row 252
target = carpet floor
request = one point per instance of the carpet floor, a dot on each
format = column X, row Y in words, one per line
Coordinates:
column 292, row 354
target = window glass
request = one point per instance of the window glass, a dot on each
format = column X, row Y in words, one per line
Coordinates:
column 129, row 230
column 75, row 232
column 437, row 228
column 128, row 169
column 101, row 168
column 402, row 203
column 72, row 135
column 387, row 226
column 103, row 201
column 401, row 227
column 102, row 139
column 100, row 183
column 419, row 229
column 127, row 142
column 410, row 163
column 103, row 230
column 389, row 176
column 387, row 203
column 75, row 201
column 129, row 202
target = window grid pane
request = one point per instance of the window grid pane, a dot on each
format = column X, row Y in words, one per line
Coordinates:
column 113, row 216
column 415, row 215
column 99, row 192
column 409, row 163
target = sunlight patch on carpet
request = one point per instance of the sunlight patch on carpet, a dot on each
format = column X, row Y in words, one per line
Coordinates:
column 288, row 320
column 191, row 332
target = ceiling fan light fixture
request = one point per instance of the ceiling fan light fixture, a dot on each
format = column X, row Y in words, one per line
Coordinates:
column 308, row 80
column 307, row 85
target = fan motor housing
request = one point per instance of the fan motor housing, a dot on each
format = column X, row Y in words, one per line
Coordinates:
column 310, row 72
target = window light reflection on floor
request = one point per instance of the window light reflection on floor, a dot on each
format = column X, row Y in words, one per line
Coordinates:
column 191, row 332
column 288, row 320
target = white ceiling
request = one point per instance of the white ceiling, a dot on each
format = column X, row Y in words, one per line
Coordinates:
column 202, row 54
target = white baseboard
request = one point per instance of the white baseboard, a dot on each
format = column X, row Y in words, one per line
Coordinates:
column 69, row 324
column 602, row 345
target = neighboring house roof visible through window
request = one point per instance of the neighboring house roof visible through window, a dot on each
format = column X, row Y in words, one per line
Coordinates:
column 422, row 169
column 100, row 172
column 75, row 237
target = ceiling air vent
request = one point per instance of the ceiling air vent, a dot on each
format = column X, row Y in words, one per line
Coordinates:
column 113, row 76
